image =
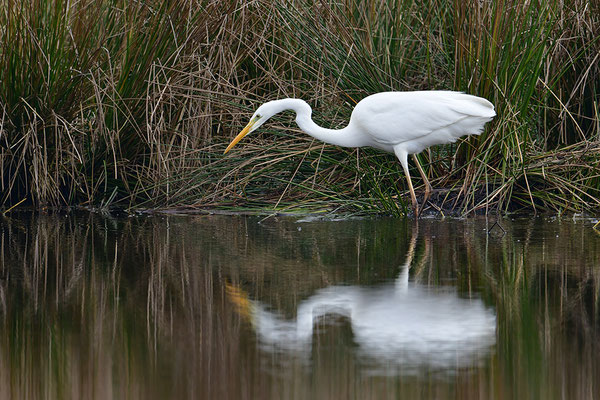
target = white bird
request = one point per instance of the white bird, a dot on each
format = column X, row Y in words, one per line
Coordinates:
column 402, row 123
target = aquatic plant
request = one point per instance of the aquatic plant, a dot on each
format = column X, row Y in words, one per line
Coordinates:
column 135, row 110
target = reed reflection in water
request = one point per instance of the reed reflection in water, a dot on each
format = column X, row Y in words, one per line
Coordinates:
column 138, row 307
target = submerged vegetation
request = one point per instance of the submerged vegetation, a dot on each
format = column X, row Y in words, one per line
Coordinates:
column 113, row 103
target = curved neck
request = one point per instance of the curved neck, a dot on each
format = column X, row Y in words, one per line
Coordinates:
column 345, row 137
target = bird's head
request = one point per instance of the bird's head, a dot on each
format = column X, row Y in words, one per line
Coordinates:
column 260, row 116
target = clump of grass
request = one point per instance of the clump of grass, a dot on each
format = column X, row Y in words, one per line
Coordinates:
column 79, row 81
column 135, row 110
column 508, row 52
column 511, row 56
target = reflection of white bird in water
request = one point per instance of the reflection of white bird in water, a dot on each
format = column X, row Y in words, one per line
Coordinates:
column 401, row 323
column 402, row 123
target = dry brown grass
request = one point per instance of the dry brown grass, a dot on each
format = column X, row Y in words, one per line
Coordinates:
column 140, row 107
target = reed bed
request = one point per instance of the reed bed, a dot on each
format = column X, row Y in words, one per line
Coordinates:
column 108, row 103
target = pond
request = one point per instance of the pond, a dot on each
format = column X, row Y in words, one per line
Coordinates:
column 298, row 307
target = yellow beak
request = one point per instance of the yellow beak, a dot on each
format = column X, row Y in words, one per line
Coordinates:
column 239, row 137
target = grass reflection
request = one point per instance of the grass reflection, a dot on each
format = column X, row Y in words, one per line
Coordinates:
column 95, row 307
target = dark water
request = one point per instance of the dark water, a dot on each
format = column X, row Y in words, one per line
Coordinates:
column 225, row 307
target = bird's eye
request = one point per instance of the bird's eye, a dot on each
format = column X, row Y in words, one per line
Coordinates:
column 258, row 116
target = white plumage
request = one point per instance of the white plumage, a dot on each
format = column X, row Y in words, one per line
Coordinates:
column 402, row 123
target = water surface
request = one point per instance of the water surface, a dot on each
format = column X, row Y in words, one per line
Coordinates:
column 241, row 307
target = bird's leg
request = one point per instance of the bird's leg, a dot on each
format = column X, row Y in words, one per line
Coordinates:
column 403, row 157
column 413, row 197
column 428, row 187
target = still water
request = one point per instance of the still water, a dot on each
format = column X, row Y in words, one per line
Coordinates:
column 235, row 307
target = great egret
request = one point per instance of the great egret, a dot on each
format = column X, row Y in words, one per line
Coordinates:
column 402, row 123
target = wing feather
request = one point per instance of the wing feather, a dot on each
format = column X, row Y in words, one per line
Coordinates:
column 391, row 118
